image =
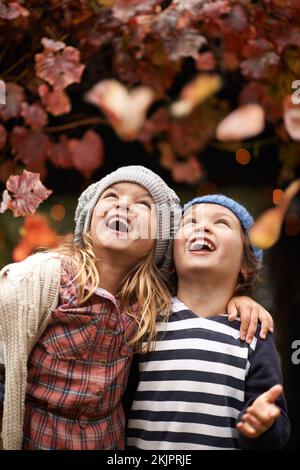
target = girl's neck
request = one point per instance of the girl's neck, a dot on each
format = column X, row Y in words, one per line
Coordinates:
column 111, row 275
column 203, row 297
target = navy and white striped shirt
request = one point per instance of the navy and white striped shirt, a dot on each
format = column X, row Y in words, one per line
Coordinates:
column 198, row 381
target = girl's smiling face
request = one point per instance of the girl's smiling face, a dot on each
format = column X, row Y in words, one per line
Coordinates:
column 209, row 239
column 124, row 221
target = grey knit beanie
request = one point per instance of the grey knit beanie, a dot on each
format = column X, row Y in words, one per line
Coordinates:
column 167, row 206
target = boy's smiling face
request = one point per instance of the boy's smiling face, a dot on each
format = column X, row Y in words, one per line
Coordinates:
column 209, row 240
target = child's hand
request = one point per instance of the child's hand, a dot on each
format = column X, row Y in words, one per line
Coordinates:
column 250, row 312
column 260, row 416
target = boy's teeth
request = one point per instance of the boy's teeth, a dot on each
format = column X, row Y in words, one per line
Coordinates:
column 199, row 245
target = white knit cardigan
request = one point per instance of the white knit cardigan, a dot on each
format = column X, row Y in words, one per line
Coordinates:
column 29, row 291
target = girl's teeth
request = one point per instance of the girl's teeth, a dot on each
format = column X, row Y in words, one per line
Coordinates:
column 117, row 225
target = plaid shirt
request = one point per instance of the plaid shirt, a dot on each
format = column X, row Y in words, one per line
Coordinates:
column 77, row 373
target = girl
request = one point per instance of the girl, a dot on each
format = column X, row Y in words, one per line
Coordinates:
column 70, row 319
column 201, row 387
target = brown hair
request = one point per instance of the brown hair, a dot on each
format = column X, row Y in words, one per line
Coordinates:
column 252, row 267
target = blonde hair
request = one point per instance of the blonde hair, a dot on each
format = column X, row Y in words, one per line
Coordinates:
column 143, row 285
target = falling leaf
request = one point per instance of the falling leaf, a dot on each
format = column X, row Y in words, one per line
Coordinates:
column 87, row 153
column 59, row 65
column 195, row 93
column 21, row 251
column 12, row 11
column 24, row 194
column 31, row 148
column 37, row 233
column 14, row 98
column 34, row 115
column 126, row 110
column 266, row 230
column 56, row 102
column 243, row 123
column 3, row 136
column 291, row 117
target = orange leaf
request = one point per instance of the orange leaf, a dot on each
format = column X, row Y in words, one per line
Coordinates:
column 266, row 230
column 195, row 93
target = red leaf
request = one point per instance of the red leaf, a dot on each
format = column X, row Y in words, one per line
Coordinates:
column 34, row 115
column 87, row 153
column 56, row 102
column 24, row 194
column 31, row 148
column 14, row 98
column 59, row 65
column 12, row 11
column 3, row 136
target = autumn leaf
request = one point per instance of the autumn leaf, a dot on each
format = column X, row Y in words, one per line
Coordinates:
column 125, row 110
column 34, row 115
column 266, row 230
column 12, row 11
column 14, row 98
column 59, row 65
column 31, row 148
column 3, row 136
column 242, row 123
column 195, row 93
column 87, row 153
column 291, row 117
column 261, row 60
column 36, row 233
column 24, row 194
column 56, row 102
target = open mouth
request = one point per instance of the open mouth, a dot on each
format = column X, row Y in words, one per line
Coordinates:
column 201, row 245
column 118, row 224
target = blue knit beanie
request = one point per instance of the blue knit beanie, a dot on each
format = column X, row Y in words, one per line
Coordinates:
column 238, row 210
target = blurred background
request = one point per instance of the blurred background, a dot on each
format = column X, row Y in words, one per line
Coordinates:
column 94, row 85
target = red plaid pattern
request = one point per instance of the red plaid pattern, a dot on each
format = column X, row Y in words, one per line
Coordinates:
column 77, row 374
